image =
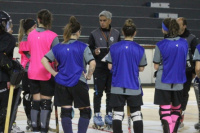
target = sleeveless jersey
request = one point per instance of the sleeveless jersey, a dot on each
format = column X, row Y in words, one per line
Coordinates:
column 126, row 57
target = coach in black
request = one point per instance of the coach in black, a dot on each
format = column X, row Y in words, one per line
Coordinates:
column 190, row 72
column 99, row 42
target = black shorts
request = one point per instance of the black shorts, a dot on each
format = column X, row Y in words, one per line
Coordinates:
column 45, row 88
column 77, row 94
column 164, row 97
column 26, row 82
column 117, row 100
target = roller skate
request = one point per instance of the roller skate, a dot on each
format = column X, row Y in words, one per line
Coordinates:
column 98, row 122
column 29, row 127
column 108, row 121
column 16, row 129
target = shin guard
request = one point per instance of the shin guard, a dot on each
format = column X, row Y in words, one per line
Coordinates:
column 176, row 117
column 27, row 103
column 165, row 118
column 34, row 115
column 45, row 114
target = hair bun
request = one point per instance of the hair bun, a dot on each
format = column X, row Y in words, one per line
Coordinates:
column 129, row 22
column 72, row 20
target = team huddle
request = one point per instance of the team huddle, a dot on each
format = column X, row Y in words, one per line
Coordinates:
column 58, row 69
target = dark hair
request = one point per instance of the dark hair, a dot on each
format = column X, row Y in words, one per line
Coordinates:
column 129, row 28
column 173, row 27
column 45, row 17
column 24, row 26
column 71, row 28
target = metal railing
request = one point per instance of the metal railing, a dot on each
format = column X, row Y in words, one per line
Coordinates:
column 85, row 37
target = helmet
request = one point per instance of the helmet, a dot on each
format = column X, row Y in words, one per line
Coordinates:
column 5, row 20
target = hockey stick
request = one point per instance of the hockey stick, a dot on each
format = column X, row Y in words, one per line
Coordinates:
column 129, row 119
column 9, row 109
column 56, row 116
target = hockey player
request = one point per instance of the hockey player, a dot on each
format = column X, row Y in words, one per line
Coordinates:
column 7, row 44
column 197, row 80
column 170, row 62
column 99, row 42
column 26, row 26
column 71, row 80
column 40, row 41
column 125, row 59
column 190, row 72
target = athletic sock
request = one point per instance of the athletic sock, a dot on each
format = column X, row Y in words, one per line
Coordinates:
column 138, row 126
column 83, row 125
column 67, row 124
column 117, row 126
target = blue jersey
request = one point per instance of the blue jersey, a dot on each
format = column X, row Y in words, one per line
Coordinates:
column 70, row 60
column 174, row 56
column 198, row 47
column 126, row 57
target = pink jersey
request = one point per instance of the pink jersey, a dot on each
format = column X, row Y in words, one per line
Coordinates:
column 23, row 47
column 39, row 44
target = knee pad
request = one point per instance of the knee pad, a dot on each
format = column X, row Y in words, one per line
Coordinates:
column 67, row 112
column 86, row 113
column 36, row 105
column 117, row 115
column 46, row 104
column 136, row 116
column 3, row 112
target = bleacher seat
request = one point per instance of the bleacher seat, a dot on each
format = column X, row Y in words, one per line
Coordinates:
column 158, row 4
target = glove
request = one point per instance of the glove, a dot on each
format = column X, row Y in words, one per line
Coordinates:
column 155, row 74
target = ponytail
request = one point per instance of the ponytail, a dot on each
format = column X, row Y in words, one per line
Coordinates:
column 71, row 28
column 173, row 28
column 21, row 30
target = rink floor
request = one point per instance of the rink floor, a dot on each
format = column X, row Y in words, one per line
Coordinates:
column 150, row 115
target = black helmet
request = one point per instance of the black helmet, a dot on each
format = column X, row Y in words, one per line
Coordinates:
column 5, row 19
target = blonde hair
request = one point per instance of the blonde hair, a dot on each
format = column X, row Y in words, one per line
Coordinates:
column 21, row 30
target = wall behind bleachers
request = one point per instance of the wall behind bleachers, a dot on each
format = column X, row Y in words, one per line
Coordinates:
column 86, row 11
